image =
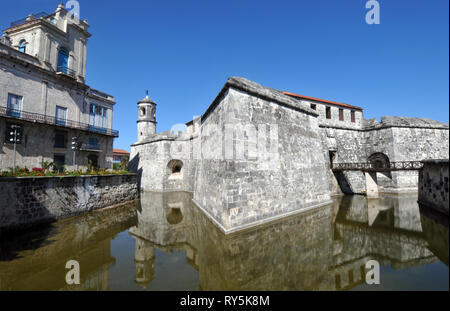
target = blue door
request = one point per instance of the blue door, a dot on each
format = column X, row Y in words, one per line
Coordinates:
column 63, row 61
column 14, row 105
column 98, row 118
column 61, row 114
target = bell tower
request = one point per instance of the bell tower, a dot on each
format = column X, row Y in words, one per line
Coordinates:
column 146, row 123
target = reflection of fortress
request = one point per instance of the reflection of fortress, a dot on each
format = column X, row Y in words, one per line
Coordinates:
column 165, row 223
column 329, row 252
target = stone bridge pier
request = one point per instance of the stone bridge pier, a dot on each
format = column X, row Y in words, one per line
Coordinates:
column 371, row 184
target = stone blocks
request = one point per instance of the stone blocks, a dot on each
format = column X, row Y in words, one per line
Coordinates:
column 33, row 200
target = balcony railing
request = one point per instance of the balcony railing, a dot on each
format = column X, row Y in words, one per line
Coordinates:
column 40, row 118
column 23, row 20
column 67, row 71
column 378, row 167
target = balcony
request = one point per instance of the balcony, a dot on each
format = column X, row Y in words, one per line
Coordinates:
column 91, row 147
column 45, row 119
column 67, row 71
column 31, row 17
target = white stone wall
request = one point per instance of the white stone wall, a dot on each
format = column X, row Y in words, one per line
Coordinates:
column 411, row 143
column 239, row 192
column 150, row 161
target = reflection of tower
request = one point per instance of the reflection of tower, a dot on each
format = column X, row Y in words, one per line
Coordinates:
column 146, row 118
column 144, row 257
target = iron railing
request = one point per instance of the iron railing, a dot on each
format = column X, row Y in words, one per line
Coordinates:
column 90, row 147
column 45, row 119
column 67, row 71
column 23, row 20
column 378, row 167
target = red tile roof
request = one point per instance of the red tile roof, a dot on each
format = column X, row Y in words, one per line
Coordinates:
column 120, row 151
column 322, row 100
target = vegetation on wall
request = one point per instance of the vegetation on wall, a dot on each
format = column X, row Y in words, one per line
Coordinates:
column 51, row 169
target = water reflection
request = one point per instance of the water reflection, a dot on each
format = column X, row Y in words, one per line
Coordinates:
column 174, row 246
column 86, row 239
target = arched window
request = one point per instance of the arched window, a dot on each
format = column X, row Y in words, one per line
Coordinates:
column 175, row 169
column 63, row 61
column 23, row 46
column 142, row 111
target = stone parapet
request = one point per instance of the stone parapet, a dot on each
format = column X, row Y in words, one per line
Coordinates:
column 27, row 201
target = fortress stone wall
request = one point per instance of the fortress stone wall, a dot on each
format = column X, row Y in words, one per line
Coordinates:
column 236, row 192
column 258, row 154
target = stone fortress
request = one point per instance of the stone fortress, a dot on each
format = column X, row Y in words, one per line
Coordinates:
column 258, row 154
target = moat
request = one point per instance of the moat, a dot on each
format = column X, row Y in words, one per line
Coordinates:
column 164, row 242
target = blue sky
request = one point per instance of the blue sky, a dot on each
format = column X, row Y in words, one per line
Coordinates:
column 183, row 52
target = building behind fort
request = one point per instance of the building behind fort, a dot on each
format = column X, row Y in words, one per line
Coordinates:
column 44, row 96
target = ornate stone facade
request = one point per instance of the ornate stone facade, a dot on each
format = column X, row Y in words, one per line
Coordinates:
column 43, row 90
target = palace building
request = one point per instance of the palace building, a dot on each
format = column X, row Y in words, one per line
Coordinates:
column 44, row 96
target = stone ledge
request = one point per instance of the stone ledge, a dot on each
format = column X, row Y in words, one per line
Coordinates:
column 408, row 122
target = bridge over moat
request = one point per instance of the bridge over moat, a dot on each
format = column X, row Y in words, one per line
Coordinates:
column 376, row 167
column 378, row 164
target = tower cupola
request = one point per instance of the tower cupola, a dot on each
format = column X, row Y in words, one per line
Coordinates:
column 146, row 118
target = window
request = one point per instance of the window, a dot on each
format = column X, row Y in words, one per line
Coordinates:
column 328, row 112
column 341, row 114
column 14, row 105
column 93, row 143
column 23, row 46
column 60, row 139
column 98, row 117
column 52, row 20
column 352, row 113
column 61, row 114
column 63, row 61
column 313, row 106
